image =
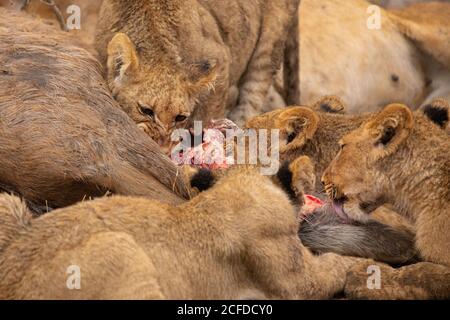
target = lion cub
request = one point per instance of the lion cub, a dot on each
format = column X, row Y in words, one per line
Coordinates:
column 173, row 61
column 398, row 157
column 208, row 248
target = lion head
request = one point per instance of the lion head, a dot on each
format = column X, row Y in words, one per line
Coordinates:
column 358, row 180
column 296, row 125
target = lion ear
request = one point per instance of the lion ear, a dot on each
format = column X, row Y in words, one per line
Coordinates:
column 298, row 124
column 391, row 127
column 202, row 75
column 122, row 59
column 329, row 104
column 438, row 111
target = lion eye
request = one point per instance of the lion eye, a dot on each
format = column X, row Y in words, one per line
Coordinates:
column 146, row 111
column 180, row 118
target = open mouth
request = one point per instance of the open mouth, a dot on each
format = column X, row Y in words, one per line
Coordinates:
column 338, row 206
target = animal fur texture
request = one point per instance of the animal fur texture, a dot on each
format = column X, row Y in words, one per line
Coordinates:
column 405, row 60
column 174, row 61
column 63, row 138
column 402, row 158
column 315, row 130
column 380, row 238
column 88, row 15
column 310, row 131
column 221, row 245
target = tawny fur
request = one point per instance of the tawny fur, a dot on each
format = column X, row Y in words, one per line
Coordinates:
column 221, row 245
column 400, row 158
column 405, row 61
column 316, row 131
column 192, row 58
column 316, row 134
column 89, row 10
column 63, row 137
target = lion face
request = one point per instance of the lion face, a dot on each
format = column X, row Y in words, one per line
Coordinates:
column 358, row 179
column 160, row 97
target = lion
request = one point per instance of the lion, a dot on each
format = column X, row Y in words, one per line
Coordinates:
column 398, row 157
column 136, row 248
column 404, row 58
column 63, row 138
column 175, row 61
column 63, row 14
column 315, row 132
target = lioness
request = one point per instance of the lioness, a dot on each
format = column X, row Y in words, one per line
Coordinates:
column 173, row 61
column 63, row 138
column 401, row 158
column 131, row 248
